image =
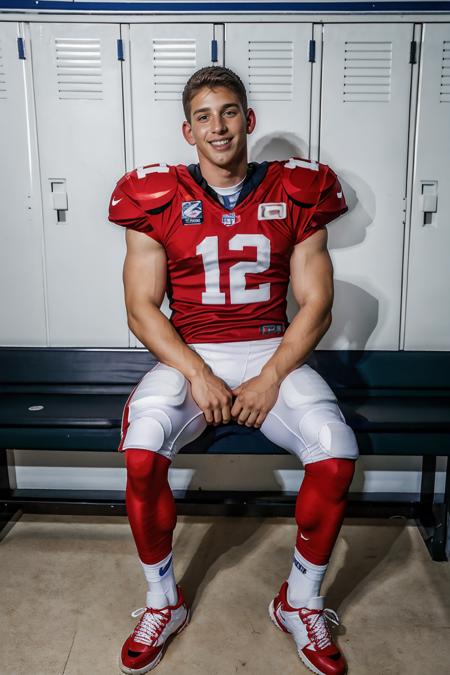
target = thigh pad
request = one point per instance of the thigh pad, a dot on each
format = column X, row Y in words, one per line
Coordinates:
column 304, row 386
column 163, row 386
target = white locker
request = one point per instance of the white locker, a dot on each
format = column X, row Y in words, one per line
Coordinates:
column 163, row 56
column 272, row 61
column 78, row 91
column 22, row 306
column 364, row 136
column 427, row 318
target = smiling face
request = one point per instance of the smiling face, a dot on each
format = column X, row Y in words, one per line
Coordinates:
column 219, row 128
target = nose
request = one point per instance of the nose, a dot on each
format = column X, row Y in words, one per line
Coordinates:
column 218, row 124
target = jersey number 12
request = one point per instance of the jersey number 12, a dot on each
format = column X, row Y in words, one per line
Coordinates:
column 209, row 250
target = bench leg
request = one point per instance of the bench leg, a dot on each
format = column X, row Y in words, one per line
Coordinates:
column 8, row 512
column 433, row 517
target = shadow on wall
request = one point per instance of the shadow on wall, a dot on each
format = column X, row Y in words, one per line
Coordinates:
column 355, row 311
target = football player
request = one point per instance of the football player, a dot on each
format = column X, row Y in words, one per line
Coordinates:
column 223, row 237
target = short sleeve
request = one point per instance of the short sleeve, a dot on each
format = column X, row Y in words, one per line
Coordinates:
column 330, row 204
column 125, row 210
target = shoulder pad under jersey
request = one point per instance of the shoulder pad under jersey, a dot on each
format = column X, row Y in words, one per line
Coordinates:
column 303, row 179
column 147, row 188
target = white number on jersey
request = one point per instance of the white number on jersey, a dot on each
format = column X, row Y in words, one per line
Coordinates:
column 209, row 250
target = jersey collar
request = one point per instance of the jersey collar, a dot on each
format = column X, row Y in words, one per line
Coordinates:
column 255, row 175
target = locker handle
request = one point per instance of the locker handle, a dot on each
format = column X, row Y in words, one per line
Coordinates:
column 428, row 199
column 59, row 198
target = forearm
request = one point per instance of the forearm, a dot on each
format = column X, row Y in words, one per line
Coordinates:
column 156, row 332
column 300, row 339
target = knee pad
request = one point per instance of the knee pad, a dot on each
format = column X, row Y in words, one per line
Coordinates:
column 322, row 427
column 149, row 431
column 149, row 422
column 322, row 424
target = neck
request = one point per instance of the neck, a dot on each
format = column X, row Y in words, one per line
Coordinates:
column 223, row 176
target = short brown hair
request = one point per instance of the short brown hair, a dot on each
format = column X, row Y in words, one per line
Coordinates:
column 212, row 77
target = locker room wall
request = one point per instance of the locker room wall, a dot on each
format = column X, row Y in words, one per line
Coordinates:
column 86, row 117
column 390, row 150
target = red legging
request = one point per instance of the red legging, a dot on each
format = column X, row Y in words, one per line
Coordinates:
column 151, row 509
column 150, row 504
column 320, row 507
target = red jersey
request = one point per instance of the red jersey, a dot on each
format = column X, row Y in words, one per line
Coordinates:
column 228, row 271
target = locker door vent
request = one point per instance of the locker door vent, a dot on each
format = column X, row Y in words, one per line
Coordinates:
column 367, row 72
column 78, row 68
column 445, row 73
column 270, row 70
column 3, row 89
column 173, row 62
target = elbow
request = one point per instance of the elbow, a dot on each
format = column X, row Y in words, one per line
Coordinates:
column 138, row 314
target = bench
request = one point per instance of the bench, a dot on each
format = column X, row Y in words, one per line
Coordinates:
column 398, row 403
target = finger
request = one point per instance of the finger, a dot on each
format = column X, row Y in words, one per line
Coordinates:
column 245, row 412
column 236, row 409
column 209, row 417
column 217, row 415
column 226, row 414
column 251, row 419
column 260, row 419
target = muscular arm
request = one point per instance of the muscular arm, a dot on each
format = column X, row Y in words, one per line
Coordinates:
column 144, row 278
column 312, row 285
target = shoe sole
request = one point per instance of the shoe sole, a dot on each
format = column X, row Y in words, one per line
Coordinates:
column 154, row 663
column 301, row 655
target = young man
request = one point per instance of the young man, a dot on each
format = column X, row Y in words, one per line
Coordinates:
column 223, row 237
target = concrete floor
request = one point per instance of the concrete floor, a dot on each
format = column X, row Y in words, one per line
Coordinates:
column 69, row 585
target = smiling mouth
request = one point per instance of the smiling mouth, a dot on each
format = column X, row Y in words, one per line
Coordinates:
column 223, row 143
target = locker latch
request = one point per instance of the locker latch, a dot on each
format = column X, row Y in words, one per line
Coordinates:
column 59, row 198
column 428, row 200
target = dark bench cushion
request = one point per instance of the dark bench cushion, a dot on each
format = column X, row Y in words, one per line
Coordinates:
column 394, row 401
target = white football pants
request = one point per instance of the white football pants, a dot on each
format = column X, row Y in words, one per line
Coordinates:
column 161, row 415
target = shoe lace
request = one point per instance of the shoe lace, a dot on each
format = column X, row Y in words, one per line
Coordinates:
column 151, row 625
column 317, row 626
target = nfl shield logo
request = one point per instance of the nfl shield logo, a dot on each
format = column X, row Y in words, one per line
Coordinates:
column 192, row 212
column 229, row 219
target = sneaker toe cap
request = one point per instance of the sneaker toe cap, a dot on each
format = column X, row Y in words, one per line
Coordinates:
column 135, row 655
column 330, row 663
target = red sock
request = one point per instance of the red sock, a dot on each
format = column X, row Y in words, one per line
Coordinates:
column 150, row 504
column 320, row 507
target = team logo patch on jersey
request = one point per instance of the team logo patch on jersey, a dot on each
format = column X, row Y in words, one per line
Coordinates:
column 192, row 212
column 271, row 328
column 229, row 219
column 272, row 211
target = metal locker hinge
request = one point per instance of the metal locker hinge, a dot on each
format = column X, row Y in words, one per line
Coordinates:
column 312, row 51
column 120, row 52
column 214, row 51
column 412, row 52
column 21, row 48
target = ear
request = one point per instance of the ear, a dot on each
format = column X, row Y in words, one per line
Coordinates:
column 187, row 132
column 251, row 120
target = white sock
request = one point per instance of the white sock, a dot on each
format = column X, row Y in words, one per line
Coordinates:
column 162, row 588
column 304, row 580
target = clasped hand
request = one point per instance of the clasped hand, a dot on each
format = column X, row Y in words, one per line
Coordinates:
column 247, row 404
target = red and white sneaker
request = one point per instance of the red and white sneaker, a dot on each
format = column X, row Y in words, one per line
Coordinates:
column 143, row 649
column 309, row 628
